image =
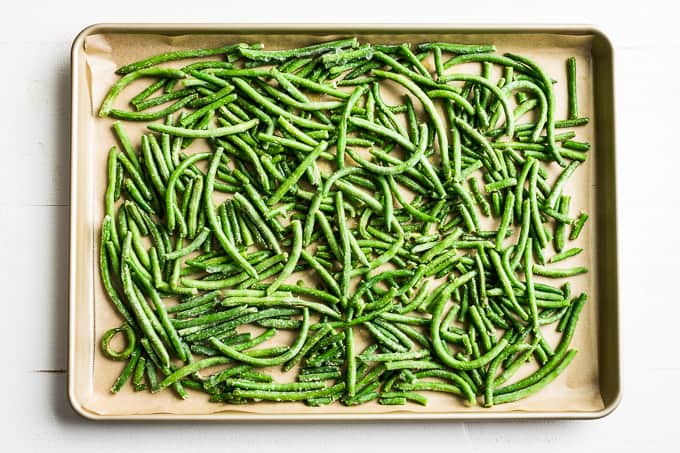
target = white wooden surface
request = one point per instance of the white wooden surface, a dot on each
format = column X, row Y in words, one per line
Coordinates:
column 35, row 40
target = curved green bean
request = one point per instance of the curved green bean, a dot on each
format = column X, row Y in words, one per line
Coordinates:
column 272, row 361
column 129, row 348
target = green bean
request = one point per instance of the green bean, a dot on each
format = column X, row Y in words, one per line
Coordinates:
column 287, row 302
column 294, row 103
column 190, row 369
column 528, row 275
column 539, row 228
column 297, row 173
column 238, row 316
column 393, row 401
column 207, row 133
column 105, row 273
column 578, row 226
column 298, row 289
column 125, row 143
column 385, row 339
column 479, row 197
column 547, row 379
column 150, row 116
column 290, row 395
column 505, row 281
column 559, row 273
column 164, row 325
column 194, row 302
column 481, row 328
column 148, row 91
column 560, row 352
column 571, row 88
column 274, row 387
column 174, row 177
column 211, row 318
column 315, row 86
column 136, row 305
column 112, row 170
column 411, row 365
column 194, row 245
column 265, row 275
column 134, row 214
column 446, row 357
column 176, row 55
column 574, row 145
column 542, row 102
column 561, row 218
column 209, row 97
column 403, row 338
column 283, row 55
column 500, row 185
column 144, row 105
column 490, row 381
column 221, row 376
column 396, row 356
column 292, row 259
column 294, row 349
column 509, row 118
column 226, row 99
column 467, row 203
column 431, row 111
column 323, row 273
column 547, row 87
column 351, row 368
column 473, row 134
column 395, row 169
column 559, row 183
column 430, row 386
column 127, row 371
column 297, row 133
column 383, row 131
column 457, row 48
column 565, row 254
column 129, row 348
column 260, row 224
column 505, row 220
column 212, row 218
column 346, row 249
column 308, row 346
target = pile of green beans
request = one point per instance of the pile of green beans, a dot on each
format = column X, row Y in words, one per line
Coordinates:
column 405, row 247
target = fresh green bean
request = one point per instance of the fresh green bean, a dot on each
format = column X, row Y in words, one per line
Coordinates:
column 559, row 273
column 176, row 55
column 207, row 133
column 127, row 371
column 578, row 226
column 283, row 55
column 107, row 104
column 136, row 305
column 571, row 87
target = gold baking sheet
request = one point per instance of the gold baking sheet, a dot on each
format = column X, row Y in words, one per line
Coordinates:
column 101, row 49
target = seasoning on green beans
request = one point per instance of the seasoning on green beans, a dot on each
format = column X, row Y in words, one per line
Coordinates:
column 321, row 191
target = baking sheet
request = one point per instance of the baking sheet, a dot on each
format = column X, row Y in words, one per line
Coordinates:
column 576, row 390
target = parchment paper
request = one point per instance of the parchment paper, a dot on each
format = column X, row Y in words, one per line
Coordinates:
column 575, row 390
